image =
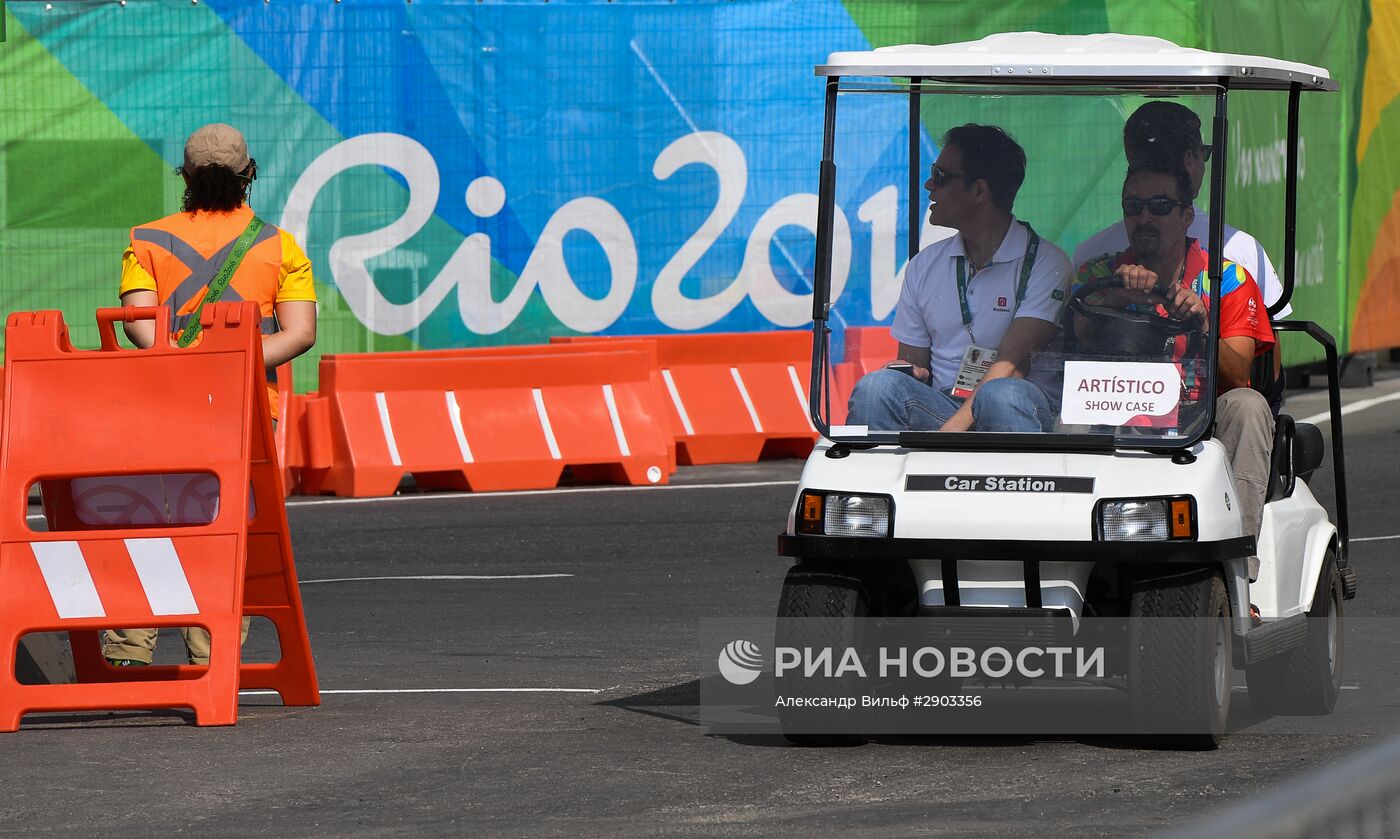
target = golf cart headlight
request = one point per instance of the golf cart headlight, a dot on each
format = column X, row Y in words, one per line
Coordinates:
column 857, row 515
column 1147, row 520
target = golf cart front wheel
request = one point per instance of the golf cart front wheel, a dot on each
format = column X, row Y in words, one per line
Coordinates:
column 819, row 609
column 1180, row 659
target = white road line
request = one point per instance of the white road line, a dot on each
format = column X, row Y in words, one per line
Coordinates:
column 433, row 690
column 1373, row 538
column 1326, row 416
column 440, row 577
column 1244, row 689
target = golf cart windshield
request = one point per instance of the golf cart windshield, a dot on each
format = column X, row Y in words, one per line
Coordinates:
column 1039, row 220
column 1037, row 295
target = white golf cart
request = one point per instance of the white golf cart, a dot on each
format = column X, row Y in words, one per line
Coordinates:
column 1126, row 511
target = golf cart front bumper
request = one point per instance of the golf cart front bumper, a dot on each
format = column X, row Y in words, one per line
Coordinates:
column 1024, row 550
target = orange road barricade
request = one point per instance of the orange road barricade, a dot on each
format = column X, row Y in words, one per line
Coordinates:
column 96, row 429
column 735, row 397
column 868, row 348
column 287, row 434
column 486, row 420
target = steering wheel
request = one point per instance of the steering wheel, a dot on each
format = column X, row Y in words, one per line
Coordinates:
column 1129, row 332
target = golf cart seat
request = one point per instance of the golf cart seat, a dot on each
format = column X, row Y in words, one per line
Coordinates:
column 1298, row 451
column 1264, row 380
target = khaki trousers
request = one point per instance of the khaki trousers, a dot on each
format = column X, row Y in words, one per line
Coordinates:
column 140, row 644
column 1245, row 426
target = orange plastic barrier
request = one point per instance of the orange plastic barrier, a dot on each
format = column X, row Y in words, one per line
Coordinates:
column 487, row 420
column 288, row 438
column 735, row 397
column 314, row 452
column 867, row 348
column 204, row 551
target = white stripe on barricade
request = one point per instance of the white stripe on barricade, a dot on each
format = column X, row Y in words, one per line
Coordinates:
column 69, row 583
column 545, row 425
column 748, row 403
column 680, row 406
column 388, row 427
column 616, row 421
column 801, row 397
column 162, row 577
column 454, row 413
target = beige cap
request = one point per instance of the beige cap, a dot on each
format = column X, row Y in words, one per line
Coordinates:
column 216, row 144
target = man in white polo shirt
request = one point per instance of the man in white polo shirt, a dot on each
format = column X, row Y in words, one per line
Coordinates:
column 1165, row 135
column 975, row 307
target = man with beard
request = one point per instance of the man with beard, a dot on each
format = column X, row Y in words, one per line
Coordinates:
column 1162, row 258
column 1167, row 135
column 974, row 307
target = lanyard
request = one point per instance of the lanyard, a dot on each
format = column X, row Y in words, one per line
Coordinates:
column 1027, row 263
column 221, row 280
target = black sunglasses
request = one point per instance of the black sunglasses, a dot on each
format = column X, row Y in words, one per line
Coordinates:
column 1206, row 152
column 941, row 176
column 1159, row 205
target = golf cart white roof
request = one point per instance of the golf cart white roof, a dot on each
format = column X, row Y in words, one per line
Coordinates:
column 1132, row 60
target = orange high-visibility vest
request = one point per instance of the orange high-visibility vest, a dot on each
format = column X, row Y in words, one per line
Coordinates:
column 184, row 251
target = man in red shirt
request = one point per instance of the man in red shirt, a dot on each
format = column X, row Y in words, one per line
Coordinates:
column 1157, row 212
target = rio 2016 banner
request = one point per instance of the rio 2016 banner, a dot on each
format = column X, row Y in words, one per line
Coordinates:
column 468, row 173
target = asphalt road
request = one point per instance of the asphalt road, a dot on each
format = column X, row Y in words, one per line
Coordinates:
column 606, row 743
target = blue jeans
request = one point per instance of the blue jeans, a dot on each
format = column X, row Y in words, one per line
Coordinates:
column 888, row 400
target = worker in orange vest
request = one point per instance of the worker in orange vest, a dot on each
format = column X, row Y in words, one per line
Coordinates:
column 214, row 249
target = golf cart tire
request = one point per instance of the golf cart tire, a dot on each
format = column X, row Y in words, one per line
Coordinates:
column 1306, row 680
column 839, row 601
column 1177, row 657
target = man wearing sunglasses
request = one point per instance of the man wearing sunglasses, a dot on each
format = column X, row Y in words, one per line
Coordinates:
column 974, row 307
column 1167, row 135
column 1166, row 267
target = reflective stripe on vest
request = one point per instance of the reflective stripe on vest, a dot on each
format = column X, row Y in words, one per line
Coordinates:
column 202, row 271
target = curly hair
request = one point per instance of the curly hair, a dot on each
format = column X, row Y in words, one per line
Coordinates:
column 214, row 189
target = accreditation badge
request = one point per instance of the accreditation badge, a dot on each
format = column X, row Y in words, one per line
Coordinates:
column 976, row 361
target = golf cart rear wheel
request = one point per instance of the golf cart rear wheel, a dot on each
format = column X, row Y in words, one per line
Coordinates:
column 1306, row 679
column 819, row 609
column 1180, row 659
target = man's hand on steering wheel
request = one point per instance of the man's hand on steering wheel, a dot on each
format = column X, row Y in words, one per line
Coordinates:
column 1106, row 313
column 1142, row 285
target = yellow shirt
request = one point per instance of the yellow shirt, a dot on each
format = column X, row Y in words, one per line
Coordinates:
column 179, row 255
